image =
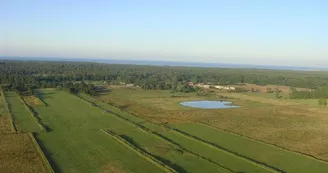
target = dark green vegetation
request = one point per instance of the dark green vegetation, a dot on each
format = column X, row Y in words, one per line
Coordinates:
column 322, row 102
column 52, row 74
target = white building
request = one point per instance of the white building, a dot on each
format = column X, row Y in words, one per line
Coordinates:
column 224, row 87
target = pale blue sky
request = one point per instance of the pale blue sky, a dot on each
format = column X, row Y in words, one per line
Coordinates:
column 292, row 32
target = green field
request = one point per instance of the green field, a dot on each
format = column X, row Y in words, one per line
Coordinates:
column 23, row 120
column 75, row 142
column 310, row 102
column 268, row 154
column 271, row 120
column 85, row 134
column 219, row 157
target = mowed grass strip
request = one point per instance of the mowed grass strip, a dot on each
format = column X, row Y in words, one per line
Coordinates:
column 18, row 154
column 287, row 161
column 222, row 158
column 75, row 142
column 169, row 154
column 141, row 152
column 24, row 121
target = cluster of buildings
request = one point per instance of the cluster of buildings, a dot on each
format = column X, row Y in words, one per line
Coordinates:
column 200, row 85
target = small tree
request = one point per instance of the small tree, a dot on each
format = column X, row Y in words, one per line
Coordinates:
column 320, row 102
column 277, row 91
column 269, row 90
column 324, row 102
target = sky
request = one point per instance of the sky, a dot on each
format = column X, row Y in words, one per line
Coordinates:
column 267, row 32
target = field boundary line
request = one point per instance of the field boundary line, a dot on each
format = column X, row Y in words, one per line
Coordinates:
column 140, row 152
column 155, row 134
column 262, row 142
column 44, row 158
column 11, row 117
column 235, row 154
column 33, row 115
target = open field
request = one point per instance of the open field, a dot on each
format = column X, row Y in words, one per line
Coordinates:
column 5, row 126
column 18, row 153
column 290, row 125
column 268, row 154
column 219, row 157
column 76, row 133
column 76, row 142
column 272, row 96
column 280, row 160
column 23, row 120
column 5, row 121
column 263, row 89
column 134, row 130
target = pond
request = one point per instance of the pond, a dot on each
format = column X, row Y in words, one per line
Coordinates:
column 207, row 104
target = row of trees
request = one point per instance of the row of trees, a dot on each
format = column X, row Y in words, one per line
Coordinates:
column 78, row 87
column 71, row 87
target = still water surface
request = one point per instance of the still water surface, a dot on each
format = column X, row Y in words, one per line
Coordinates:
column 207, row 104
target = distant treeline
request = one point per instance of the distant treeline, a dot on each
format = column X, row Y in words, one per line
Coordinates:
column 52, row 74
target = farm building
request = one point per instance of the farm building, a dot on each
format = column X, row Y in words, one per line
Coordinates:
column 201, row 85
column 224, row 87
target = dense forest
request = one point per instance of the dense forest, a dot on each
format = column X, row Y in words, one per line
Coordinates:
column 38, row 74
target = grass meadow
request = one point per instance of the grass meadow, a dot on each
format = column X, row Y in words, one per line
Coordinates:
column 190, row 147
column 293, row 126
column 133, row 130
column 6, row 125
column 23, row 120
column 281, row 122
column 268, row 154
column 76, row 143
column 18, row 152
